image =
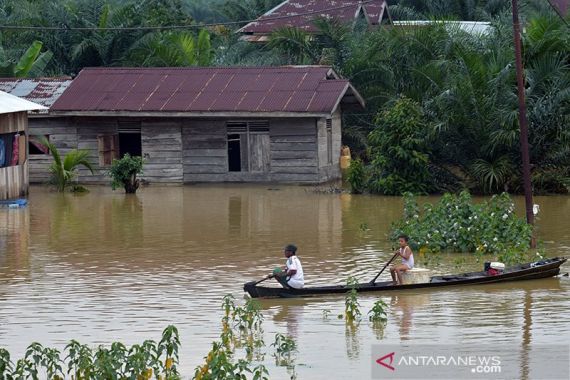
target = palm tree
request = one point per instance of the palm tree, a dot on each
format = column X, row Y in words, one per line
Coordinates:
column 294, row 45
column 63, row 171
column 171, row 49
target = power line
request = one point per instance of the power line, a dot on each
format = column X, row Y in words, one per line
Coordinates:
column 558, row 12
column 174, row 27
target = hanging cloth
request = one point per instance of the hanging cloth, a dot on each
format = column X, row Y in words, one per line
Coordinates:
column 16, row 150
column 2, row 152
column 8, row 145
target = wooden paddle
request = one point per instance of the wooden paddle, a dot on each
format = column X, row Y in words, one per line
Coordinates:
column 263, row 279
column 385, row 266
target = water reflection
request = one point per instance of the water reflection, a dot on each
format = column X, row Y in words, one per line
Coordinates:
column 14, row 243
column 403, row 307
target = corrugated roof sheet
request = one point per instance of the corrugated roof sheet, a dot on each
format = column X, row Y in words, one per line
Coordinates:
column 301, row 14
column 10, row 103
column 306, row 89
column 44, row 91
column 562, row 5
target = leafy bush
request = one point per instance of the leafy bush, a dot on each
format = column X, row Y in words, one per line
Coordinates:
column 456, row 224
column 398, row 151
column 124, row 173
column 241, row 327
column 378, row 312
column 352, row 306
column 357, row 176
column 144, row 361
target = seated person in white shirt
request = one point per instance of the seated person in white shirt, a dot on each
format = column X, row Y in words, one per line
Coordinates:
column 292, row 276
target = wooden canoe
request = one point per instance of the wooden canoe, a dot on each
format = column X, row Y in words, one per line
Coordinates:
column 529, row 271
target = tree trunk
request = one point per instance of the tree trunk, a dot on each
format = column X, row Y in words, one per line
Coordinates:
column 132, row 185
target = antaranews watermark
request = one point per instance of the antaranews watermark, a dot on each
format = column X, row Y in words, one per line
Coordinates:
column 452, row 361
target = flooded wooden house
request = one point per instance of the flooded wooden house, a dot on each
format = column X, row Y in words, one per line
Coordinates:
column 14, row 145
column 232, row 124
column 43, row 91
column 301, row 14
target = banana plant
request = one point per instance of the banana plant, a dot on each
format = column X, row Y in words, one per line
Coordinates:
column 31, row 64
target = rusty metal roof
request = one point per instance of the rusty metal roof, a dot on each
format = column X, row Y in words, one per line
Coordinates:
column 562, row 5
column 301, row 14
column 44, row 91
column 288, row 89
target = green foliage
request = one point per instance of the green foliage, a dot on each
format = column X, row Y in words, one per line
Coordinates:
column 464, row 86
column 285, row 346
column 356, row 176
column 249, row 316
column 399, row 151
column 63, row 171
column 83, row 363
column 124, row 173
column 457, row 224
column 461, row 83
column 171, row 49
column 296, row 46
column 352, row 306
column 31, row 64
column 378, row 312
column 220, row 362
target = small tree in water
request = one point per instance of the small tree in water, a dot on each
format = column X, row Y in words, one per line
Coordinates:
column 124, row 173
column 63, row 170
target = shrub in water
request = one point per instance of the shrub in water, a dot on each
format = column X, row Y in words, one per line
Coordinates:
column 378, row 312
column 124, row 173
column 456, row 224
column 151, row 359
column 352, row 306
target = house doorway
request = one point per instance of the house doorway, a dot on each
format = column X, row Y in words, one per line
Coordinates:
column 130, row 140
column 234, row 153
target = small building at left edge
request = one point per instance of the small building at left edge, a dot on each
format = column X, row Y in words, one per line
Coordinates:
column 14, row 137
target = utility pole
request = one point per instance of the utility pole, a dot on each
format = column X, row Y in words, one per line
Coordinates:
column 523, row 120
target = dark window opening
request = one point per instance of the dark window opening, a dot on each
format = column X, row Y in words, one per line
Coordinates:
column 248, row 146
column 234, row 153
column 130, row 142
column 36, row 146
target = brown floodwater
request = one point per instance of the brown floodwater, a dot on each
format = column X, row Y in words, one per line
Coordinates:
column 104, row 266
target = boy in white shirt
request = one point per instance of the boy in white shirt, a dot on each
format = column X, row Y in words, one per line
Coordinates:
column 292, row 276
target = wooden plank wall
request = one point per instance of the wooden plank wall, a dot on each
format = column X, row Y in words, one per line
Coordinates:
column 14, row 181
column 86, row 132
column 13, row 122
column 329, row 172
column 205, row 156
column 61, row 133
column 294, row 150
column 162, row 151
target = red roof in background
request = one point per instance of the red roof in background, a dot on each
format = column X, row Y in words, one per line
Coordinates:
column 294, row 14
column 563, row 5
column 44, row 91
column 306, row 89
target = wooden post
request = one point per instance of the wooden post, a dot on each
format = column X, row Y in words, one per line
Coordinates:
column 523, row 121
